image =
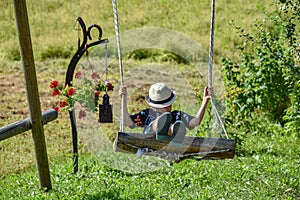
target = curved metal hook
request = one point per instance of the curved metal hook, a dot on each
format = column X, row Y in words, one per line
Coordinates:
column 87, row 32
column 98, row 28
column 83, row 47
column 84, row 32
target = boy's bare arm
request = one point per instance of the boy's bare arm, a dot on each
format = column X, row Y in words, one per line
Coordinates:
column 126, row 118
column 197, row 120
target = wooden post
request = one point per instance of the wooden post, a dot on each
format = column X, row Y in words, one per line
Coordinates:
column 32, row 93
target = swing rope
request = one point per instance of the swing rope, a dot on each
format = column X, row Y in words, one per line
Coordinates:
column 106, row 65
column 219, row 119
column 120, row 61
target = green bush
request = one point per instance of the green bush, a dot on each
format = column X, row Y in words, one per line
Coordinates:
column 54, row 52
column 264, row 83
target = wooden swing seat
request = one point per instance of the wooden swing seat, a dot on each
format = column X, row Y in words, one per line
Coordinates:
column 197, row 148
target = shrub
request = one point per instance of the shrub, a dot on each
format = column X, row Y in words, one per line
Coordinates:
column 54, row 52
column 264, row 83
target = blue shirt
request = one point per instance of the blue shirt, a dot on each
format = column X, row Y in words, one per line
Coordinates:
column 147, row 116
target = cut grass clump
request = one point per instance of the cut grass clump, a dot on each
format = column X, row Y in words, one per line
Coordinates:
column 156, row 55
column 14, row 54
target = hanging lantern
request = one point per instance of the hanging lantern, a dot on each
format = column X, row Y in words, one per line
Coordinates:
column 105, row 111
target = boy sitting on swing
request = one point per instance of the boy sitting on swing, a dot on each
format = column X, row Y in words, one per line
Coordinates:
column 159, row 118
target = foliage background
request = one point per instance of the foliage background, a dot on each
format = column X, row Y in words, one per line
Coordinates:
column 264, row 82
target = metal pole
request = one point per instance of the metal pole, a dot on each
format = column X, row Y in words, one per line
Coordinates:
column 32, row 93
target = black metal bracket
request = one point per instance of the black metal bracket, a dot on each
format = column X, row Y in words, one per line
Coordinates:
column 82, row 47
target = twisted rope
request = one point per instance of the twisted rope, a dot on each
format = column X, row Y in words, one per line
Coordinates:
column 212, row 24
column 114, row 3
column 106, row 65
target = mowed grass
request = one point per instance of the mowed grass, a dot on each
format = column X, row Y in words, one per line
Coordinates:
column 270, row 174
column 265, row 166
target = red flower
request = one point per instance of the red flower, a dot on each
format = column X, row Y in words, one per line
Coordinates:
column 71, row 91
column 109, row 86
column 96, row 93
column 78, row 74
column 55, row 92
column 56, row 109
column 54, row 84
column 82, row 114
column 95, row 75
column 63, row 104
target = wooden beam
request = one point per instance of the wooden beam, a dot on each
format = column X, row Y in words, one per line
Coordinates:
column 25, row 125
column 32, row 93
column 206, row 147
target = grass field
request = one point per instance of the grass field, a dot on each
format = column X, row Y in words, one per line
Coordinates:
column 266, row 165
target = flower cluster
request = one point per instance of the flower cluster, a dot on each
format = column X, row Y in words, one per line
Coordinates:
column 86, row 93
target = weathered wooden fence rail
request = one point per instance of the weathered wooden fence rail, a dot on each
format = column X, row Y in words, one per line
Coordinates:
column 25, row 125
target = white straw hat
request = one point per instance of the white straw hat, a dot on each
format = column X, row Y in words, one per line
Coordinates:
column 160, row 96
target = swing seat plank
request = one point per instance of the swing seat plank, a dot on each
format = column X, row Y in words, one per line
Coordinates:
column 204, row 147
